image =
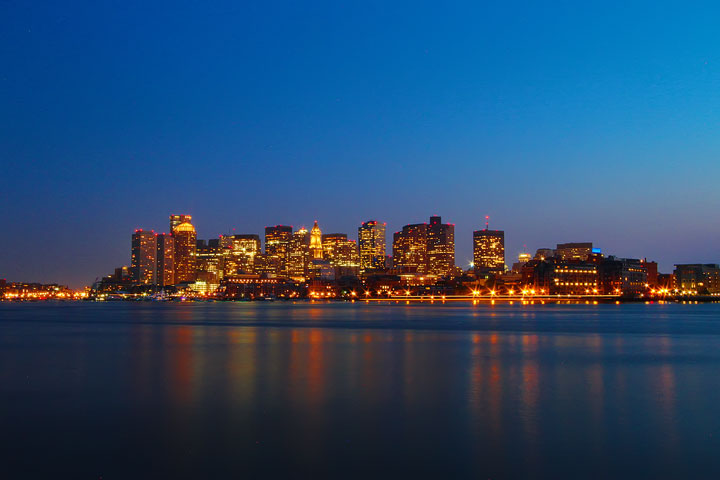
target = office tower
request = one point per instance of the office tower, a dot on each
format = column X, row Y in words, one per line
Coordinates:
column 440, row 247
column 409, row 249
column 143, row 257
column 277, row 242
column 298, row 255
column 176, row 220
column 209, row 262
column 185, row 251
column 489, row 250
column 574, row 251
column 523, row 258
column 371, row 242
column 240, row 252
column 165, row 271
column 316, row 242
column 341, row 252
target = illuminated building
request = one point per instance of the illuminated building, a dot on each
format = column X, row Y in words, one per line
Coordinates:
column 176, row 220
column 144, row 251
column 277, row 242
column 622, row 276
column 298, row 255
column 440, row 247
column 342, row 254
column 316, row 249
column 410, row 249
column 209, row 257
column 185, row 250
column 574, row 251
column 371, row 242
column 165, row 271
column 266, row 265
column 551, row 277
column 697, row 278
column 523, row 258
column 240, row 252
column 489, row 250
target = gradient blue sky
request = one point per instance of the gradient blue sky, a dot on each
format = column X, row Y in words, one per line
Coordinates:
column 563, row 121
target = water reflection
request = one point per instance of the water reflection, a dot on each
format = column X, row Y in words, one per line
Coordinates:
column 320, row 393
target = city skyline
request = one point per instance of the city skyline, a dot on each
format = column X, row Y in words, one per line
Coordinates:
column 532, row 114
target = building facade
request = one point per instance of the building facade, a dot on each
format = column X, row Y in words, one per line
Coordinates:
column 440, row 247
column 489, row 251
column 165, row 272
column 143, row 258
column 277, row 243
column 185, row 252
column 371, row 243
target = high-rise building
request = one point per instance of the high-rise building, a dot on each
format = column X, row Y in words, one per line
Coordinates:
column 277, row 242
column 409, row 249
column 142, row 263
column 371, row 242
column 341, row 253
column 185, row 250
column 240, row 252
column 316, row 249
column 165, row 271
column 176, row 220
column 489, row 250
column 574, row 251
column 440, row 247
column 298, row 255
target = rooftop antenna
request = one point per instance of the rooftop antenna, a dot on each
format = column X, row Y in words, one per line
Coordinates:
column 487, row 221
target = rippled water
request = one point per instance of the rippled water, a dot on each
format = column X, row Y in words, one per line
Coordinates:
column 253, row 390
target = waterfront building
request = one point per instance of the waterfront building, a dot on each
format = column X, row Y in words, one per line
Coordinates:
column 165, row 270
column 489, row 251
column 523, row 258
column 185, row 251
column 143, row 258
column 277, row 243
column 440, row 247
column 697, row 278
column 371, row 243
column 622, row 276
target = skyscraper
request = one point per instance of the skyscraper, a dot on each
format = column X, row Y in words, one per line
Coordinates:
column 143, row 257
column 489, row 250
column 176, row 220
column 298, row 255
column 371, row 242
column 185, row 250
column 410, row 249
column 341, row 253
column 165, row 271
column 277, row 242
column 316, row 242
column 240, row 252
column 440, row 247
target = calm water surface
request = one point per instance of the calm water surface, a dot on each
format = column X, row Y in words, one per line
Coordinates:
column 258, row 390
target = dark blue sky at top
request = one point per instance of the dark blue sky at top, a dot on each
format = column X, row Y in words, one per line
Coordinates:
column 563, row 121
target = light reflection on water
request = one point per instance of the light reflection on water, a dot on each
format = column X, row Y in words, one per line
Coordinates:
column 261, row 389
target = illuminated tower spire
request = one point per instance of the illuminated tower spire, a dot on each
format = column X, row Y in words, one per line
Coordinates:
column 316, row 242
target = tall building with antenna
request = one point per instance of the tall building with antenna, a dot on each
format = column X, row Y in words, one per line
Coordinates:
column 489, row 249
